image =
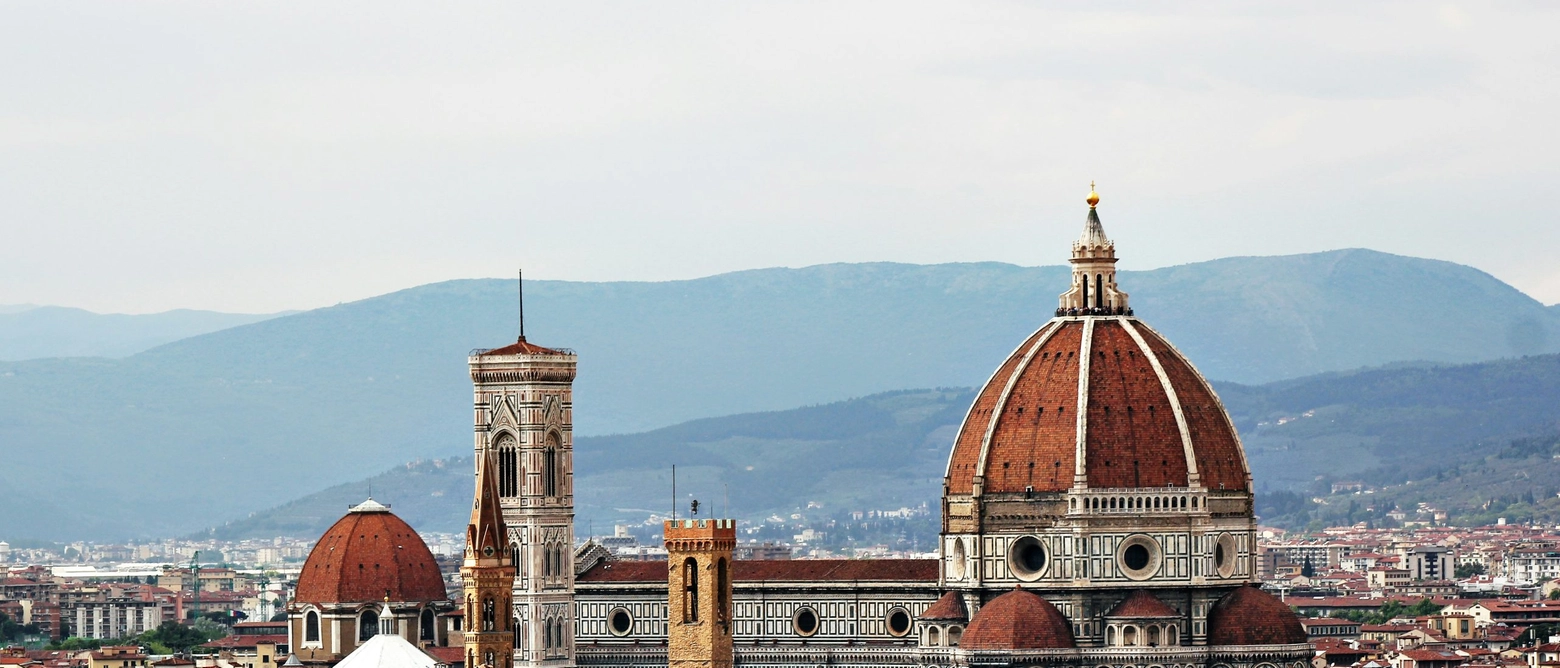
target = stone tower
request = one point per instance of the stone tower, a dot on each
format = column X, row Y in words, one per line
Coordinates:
column 698, row 558
column 488, row 576
column 524, row 419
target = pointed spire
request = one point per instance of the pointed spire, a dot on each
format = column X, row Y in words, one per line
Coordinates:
column 1094, row 290
column 487, row 517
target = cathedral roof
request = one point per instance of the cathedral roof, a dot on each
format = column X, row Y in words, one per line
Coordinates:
column 1018, row 619
column 779, row 570
column 948, row 608
column 367, row 556
column 1250, row 616
column 1142, row 605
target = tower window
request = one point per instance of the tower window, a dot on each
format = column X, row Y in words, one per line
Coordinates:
column 508, row 467
column 722, row 586
column 311, row 627
column 489, row 615
column 426, row 631
column 550, row 465
column 690, row 590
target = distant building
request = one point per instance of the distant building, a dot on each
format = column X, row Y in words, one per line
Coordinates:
column 1430, row 562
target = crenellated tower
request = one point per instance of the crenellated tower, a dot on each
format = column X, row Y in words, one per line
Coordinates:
column 488, row 575
column 523, row 405
column 698, row 558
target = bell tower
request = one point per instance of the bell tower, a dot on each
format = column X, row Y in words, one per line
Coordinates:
column 698, row 587
column 523, row 406
column 487, row 575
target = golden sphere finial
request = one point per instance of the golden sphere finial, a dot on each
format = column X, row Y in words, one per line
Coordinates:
column 1094, row 197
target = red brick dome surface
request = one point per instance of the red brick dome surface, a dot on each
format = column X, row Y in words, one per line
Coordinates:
column 366, row 556
column 1142, row 605
column 948, row 608
column 1025, row 419
column 1018, row 619
column 1250, row 616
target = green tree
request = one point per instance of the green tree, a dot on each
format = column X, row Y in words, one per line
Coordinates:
column 1469, row 570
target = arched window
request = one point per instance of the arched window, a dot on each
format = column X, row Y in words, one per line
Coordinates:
column 722, row 586
column 489, row 615
column 426, row 630
column 954, row 633
column 1086, row 291
column 1099, row 291
column 1129, row 636
column 690, row 590
column 368, row 625
column 311, row 627
column 550, row 465
column 519, row 633
column 1153, row 636
column 508, row 467
column 932, row 636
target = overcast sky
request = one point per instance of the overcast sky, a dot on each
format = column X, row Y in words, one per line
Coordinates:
column 264, row 156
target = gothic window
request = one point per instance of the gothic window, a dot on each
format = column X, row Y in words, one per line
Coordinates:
column 1099, row 291
column 368, row 625
column 426, row 630
column 508, row 469
column 519, row 633
column 690, row 590
column 550, row 465
column 311, row 627
column 489, row 657
column 489, row 615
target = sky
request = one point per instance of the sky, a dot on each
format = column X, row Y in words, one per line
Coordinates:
column 261, row 156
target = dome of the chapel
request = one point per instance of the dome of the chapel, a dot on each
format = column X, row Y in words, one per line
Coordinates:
column 370, row 555
column 1019, row 619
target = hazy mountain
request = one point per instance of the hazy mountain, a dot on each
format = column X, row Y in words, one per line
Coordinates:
column 212, row 427
column 1460, row 432
column 31, row 332
column 883, row 452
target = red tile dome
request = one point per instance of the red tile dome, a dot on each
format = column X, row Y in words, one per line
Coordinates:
column 1150, row 419
column 367, row 556
column 1250, row 616
column 1018, row 619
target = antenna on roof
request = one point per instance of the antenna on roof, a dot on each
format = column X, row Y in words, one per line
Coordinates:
column 674, row 493
column 520, row 287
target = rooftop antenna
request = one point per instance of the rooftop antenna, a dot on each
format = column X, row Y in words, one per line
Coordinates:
column 520, row 288
column 727, row 488
column 674, row 493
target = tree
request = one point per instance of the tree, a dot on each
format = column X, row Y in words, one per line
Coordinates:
column 1465, row 571
column 175, row 636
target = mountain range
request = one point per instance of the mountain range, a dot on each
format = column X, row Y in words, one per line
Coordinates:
column 31, row 332
column 1460, row 435
column 193, row 433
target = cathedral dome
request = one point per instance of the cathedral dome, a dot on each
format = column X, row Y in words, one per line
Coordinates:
column 1018, row 619
column 1095, row 398
column 1149, row 418
column 1250, row 616
column 368, row 556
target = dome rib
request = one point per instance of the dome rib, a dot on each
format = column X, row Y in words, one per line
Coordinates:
column 1193, row 478
column 1007, row 393
column 1208, row 422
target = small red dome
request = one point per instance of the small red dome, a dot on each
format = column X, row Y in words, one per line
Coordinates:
column 367, row 556
column 1018, row 619
column 1149, row 418
column 1250, row 616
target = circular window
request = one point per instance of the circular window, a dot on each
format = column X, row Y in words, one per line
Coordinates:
column 620, row 622
column 1027, row 558
column 488, row 550
column 898, row 622
column 1224, row 555
column 1139, row 557
column 805, row 622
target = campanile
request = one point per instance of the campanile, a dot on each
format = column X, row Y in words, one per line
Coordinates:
column 523, row 408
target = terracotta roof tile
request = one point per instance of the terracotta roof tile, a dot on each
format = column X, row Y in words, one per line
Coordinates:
column 521, row 347
column 787, row 570
column 948, row 608
column 1142, row 605
column 367, row 556
column 1250, row 616
column 1019, row 619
